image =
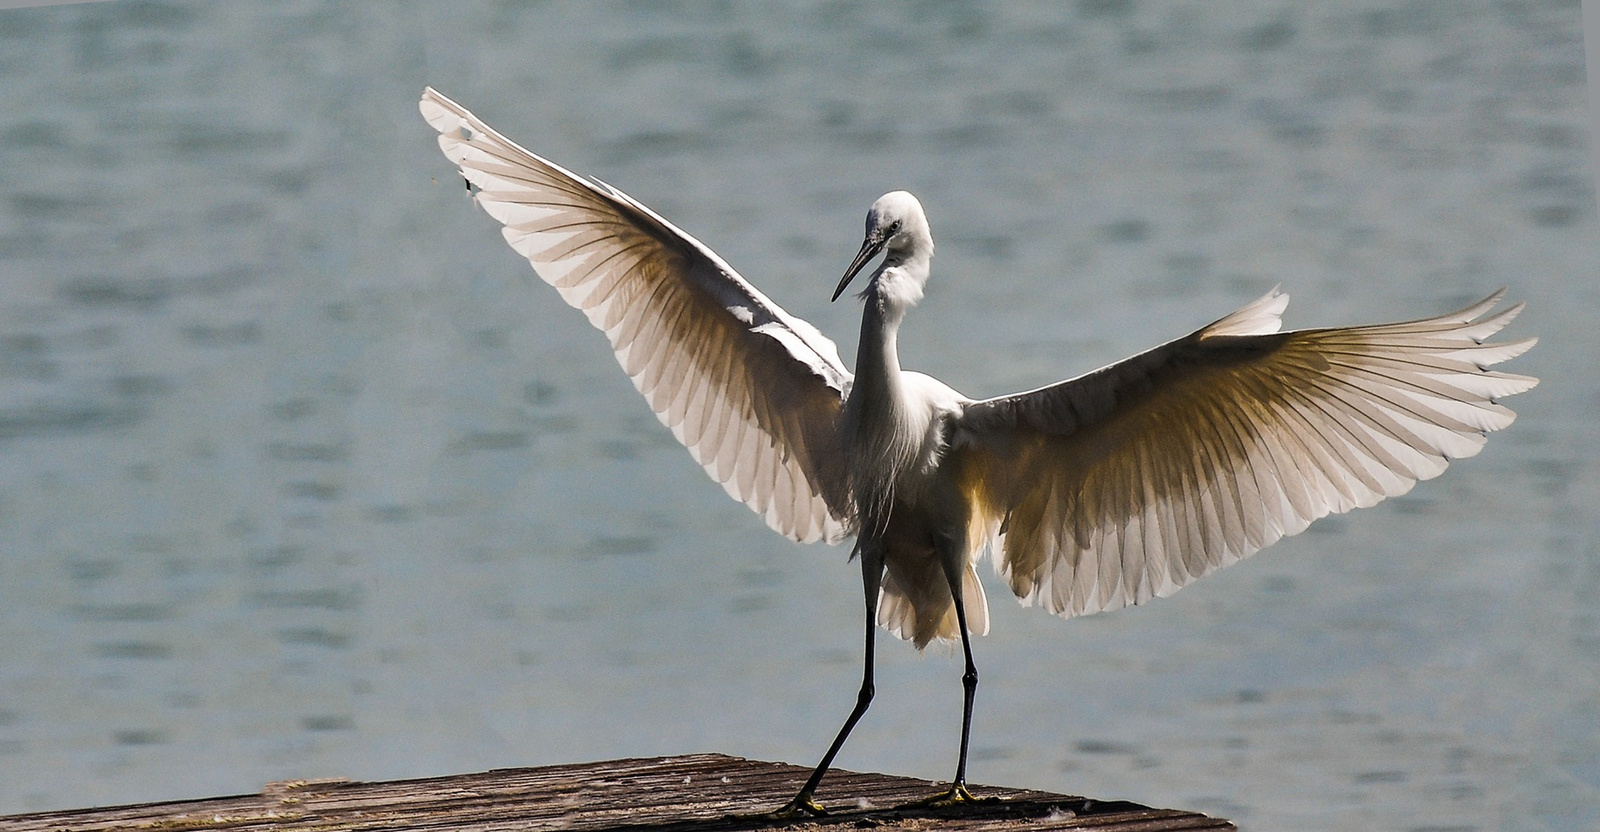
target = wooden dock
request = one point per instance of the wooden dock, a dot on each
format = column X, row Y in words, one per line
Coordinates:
column 667, row 794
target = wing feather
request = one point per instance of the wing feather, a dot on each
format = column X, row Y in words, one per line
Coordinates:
column 1134, row 480
column 751, row 391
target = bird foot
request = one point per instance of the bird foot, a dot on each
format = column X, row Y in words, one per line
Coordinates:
column 801, row 807
column 956, row 795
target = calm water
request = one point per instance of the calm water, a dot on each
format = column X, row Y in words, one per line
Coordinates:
column 303, row 474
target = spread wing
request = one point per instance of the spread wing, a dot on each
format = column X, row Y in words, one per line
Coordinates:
column 1138, row 478
column 751, row 391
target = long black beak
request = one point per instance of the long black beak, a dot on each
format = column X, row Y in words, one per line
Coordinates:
column 869, row 249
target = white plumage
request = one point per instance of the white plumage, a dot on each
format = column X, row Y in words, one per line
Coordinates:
column 1097, row 492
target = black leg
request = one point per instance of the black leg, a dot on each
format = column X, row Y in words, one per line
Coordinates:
column 871, row 578
column 957, row 793
column 969, row 683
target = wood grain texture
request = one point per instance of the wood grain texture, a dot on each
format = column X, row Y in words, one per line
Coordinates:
column 692, row 792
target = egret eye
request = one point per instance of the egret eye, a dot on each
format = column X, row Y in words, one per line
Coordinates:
column 894, row 227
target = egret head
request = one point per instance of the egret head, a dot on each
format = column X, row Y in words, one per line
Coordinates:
column 896, row 224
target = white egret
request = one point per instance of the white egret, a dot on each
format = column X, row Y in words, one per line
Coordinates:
column 1093, row 493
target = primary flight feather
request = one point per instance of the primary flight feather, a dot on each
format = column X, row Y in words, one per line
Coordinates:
column 1097, row 492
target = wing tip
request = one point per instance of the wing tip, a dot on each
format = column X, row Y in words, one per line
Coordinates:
column 1262, row 316
column 456, row 125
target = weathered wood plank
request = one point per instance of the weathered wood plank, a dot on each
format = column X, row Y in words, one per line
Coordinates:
column 701, row 792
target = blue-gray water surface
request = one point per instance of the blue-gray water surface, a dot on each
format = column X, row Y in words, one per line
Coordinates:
column 304, row 474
